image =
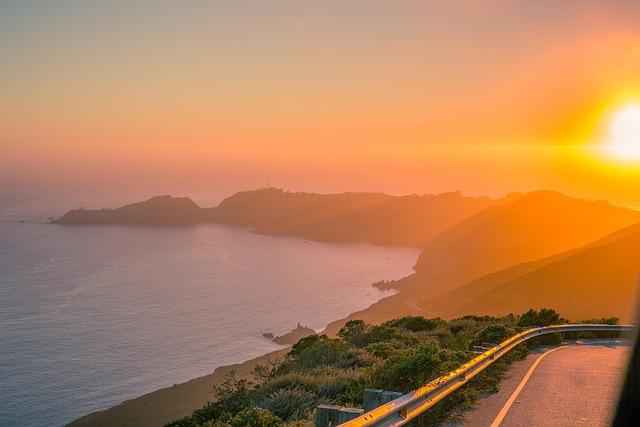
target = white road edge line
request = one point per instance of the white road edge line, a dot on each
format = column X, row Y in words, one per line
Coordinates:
column 516, row 392
column 518, row 389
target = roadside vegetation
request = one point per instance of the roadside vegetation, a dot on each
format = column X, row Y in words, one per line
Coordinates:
column 398, row 355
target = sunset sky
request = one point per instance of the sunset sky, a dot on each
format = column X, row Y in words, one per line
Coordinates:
column 485, row 96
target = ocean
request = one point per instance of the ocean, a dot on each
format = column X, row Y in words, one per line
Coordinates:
column 94, row 315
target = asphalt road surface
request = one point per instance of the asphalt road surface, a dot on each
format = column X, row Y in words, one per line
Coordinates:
column 573, row 385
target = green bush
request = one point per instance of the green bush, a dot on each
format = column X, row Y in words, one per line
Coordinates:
column 255, row 417
column 384, row 349
column 602, row 321
column 320, row 350
column 353, row 331
column 409, row 369
column 290, row 403
column 544, row 317
column 380, row 333
column 416, row 323
column 493, row 333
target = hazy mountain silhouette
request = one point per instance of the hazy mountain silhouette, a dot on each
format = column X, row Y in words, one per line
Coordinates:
column 278, row 210
column 371, row 217
column 594, row 281
column 536, row 225
column 458, row 268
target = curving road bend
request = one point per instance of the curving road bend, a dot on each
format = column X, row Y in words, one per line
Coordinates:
column 573, row 385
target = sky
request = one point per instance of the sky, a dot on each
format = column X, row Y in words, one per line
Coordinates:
column 484, row 96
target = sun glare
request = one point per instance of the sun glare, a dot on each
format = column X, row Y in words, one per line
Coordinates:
column 624, row 134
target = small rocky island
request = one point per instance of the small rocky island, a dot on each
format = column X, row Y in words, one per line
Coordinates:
column 292, row 337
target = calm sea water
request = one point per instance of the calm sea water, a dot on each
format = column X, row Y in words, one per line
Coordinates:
column 93, row 315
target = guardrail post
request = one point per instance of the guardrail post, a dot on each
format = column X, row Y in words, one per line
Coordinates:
column 330, row 415
column 374, row 397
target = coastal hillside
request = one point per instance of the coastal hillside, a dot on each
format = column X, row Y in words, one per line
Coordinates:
column 610, row 258
column 377, row 218
column 536, row 225
column 276, row 209
column 369, row 217
column 572, row 281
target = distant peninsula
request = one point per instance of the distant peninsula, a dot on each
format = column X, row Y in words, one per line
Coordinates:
column 157, row 211
column 376, row 218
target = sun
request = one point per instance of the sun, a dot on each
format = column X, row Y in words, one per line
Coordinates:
column 623, row 141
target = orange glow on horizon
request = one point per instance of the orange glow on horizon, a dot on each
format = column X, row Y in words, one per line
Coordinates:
column 314, row 99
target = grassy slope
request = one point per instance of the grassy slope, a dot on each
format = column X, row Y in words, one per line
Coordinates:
column 562, row 222
column 594, row 281
column 537, row 225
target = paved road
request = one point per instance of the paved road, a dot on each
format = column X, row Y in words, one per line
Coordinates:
column 573, row 385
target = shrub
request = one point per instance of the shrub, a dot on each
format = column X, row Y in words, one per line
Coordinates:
column 324, row 382
column 410, row 368
column 320, row 350
column 544, row 317
column 290, row 404
column 416, row 323
column 268, row 369
column 602, row 320
column 479, row 319
column 255, row 417
column 384, row 349
column 494, row 333
column 379, row 333
column 353, row 331
column 464, row 326
column 458, row 342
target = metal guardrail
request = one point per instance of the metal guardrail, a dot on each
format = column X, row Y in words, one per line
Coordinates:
column 410, row 405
